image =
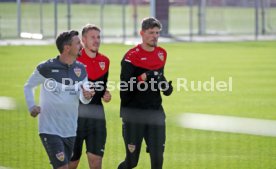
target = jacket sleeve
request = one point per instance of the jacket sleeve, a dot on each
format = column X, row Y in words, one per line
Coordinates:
column 35, row 79
column 128, row 81
column 104, row 84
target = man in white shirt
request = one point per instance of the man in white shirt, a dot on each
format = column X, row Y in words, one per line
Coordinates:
column 63, row 83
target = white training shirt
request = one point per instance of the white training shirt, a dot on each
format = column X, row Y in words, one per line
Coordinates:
column 59, row 96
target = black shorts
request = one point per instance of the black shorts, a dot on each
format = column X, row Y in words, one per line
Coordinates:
column 59, row 149
column 154, row 135
column 146, row 116
column 93, row 132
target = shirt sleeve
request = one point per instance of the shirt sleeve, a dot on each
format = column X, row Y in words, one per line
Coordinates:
column 128, row 81
column 100, row 87
column 35, row 79
column 82, row 98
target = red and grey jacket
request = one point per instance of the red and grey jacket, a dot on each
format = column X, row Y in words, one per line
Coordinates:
column 97, row 70
column 135, row 62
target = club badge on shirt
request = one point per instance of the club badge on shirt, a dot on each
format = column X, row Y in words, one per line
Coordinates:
column 60, row 156
column 77, row 71
column 161, row 56
column 102, row 65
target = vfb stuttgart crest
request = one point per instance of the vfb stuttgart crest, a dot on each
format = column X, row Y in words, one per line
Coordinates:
column 131, row 148
column 60, row 156
column 161, row 56
column 77, row 71
column 102, row 65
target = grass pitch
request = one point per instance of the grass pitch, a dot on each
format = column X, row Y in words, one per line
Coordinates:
column 250, row 64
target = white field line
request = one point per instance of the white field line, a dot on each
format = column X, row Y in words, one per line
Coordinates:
column 1, row 167
column 228, row 124
column 7, row 103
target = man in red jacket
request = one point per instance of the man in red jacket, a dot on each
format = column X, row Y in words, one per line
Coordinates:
column 91, row 120
column 141, row 103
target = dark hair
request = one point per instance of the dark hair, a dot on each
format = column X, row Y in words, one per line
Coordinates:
column 150, row 22
column 65, row 38
column 89, row 27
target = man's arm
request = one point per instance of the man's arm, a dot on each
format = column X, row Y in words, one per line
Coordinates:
column 35, row 80
column 106, row 97
column 127, row 70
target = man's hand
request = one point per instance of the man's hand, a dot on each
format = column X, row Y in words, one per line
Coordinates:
column 107, row 96
column 166, row 87
column 153, row 74
column 149, row 75
column 35, row 111
column 169, row 89
column 88, row 94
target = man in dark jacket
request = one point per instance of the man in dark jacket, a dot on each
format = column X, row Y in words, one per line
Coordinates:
column 142, row 79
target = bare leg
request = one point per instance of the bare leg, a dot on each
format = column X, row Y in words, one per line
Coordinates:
column 95, row 161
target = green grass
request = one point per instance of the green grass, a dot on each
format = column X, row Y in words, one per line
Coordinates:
column 250, row 64
column 219, row 20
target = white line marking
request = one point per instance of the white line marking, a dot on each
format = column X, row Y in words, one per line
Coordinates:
column 1, row 167
column 7, row 103
column 228, row 124
column 31, row 35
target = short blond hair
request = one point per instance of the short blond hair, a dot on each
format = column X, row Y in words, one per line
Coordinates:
column 89, row 27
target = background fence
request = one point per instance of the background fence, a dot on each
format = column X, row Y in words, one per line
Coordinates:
column 121, row 18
